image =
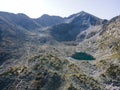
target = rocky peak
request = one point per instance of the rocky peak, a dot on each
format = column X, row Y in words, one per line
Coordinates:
column 86, row 18
column 47, row 20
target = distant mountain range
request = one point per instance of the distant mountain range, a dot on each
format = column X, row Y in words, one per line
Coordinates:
column 34, row 52
column 18, row 28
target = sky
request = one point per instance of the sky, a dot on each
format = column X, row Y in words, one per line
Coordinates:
column 105, row 9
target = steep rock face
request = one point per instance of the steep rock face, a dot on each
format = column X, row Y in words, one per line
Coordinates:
column 89, row 33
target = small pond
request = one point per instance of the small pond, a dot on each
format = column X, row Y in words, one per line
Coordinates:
column 82, row 56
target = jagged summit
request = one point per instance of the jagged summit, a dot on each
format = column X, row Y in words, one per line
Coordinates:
column 84, row 17
column 77, row 14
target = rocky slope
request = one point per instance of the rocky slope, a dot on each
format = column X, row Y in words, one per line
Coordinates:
column 105, row 47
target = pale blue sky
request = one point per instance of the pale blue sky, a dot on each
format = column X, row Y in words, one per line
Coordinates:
column 35, row 8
